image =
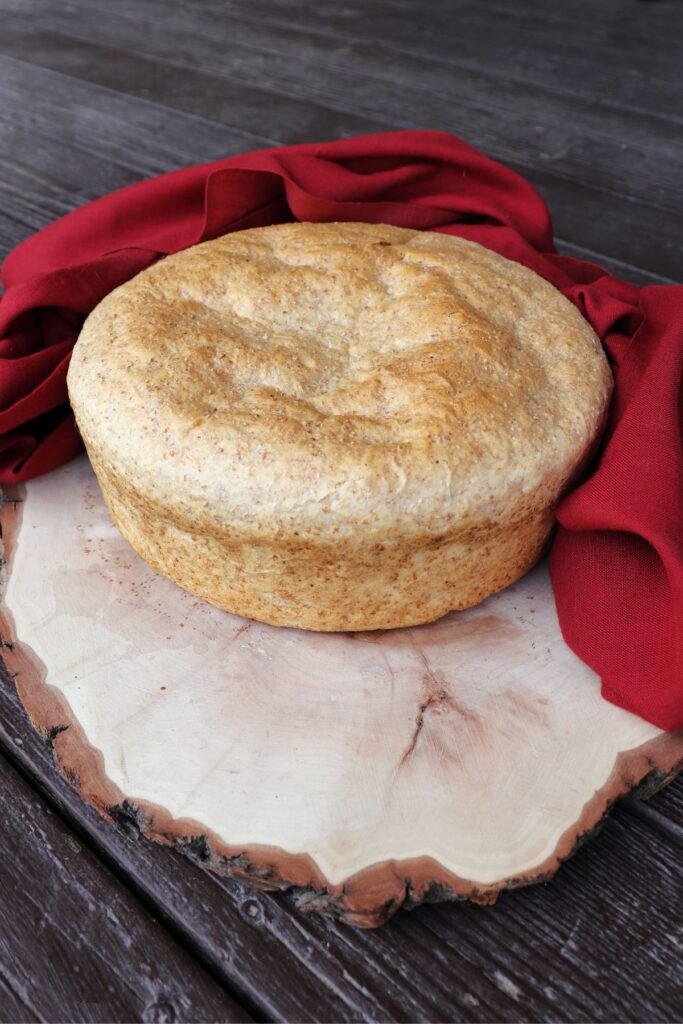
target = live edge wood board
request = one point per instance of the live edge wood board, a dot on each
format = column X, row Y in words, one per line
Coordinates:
column 369, row 771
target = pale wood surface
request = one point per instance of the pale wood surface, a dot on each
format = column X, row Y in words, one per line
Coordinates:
column 479, row 741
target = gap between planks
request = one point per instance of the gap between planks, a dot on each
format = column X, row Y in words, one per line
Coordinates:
column 287, row 89
column 62, row 201
column 104, row 923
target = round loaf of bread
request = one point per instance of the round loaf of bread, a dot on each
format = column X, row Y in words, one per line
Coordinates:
column 337, row 426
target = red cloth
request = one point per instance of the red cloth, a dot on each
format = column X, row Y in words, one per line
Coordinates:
column 617, row 559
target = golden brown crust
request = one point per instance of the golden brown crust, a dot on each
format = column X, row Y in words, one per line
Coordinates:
column 337, row 426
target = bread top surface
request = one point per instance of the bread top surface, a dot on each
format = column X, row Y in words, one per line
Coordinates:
column 329, row 377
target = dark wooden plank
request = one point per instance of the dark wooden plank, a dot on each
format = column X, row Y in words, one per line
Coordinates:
column 419, row 88
column 456, row 962
column 670, row 802
column 611, row 66
column 535, row 32
column 54, row 171
column 133, row 131
column 448, row 70
column 13, row 229
column 612, row 265
column 121, row 133
column 73, row 142
column 637, row 20
column 665, row 815
column 34, row 202
column 582, row 157
column 13, row 1009
column 230, row 103
column 75, row 945
column 569, row 50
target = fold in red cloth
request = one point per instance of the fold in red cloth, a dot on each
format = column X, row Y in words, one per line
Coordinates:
column 617, row 558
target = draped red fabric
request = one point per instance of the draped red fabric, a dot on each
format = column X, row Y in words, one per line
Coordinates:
column 617, row 558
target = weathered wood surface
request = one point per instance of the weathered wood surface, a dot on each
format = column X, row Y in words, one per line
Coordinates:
column 80, row 115
column 603, row 147
column 75, row 943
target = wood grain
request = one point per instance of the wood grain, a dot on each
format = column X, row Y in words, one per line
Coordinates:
column 459, row 758
column 13, row 1008
column 585, row 158
column 123, row 140
column 433, row 82
column 68, row 921
column 428, row 965
column 622, row 890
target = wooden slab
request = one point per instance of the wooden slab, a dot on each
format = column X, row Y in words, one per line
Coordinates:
column 368, row 770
